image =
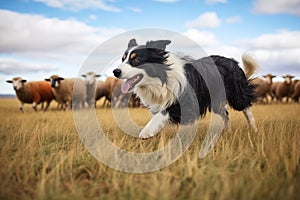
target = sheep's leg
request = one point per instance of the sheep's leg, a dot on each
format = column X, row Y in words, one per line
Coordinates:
column 279, row 99
column 34, row 106
column 66, row 106
column 273, row 97
column 21, row 106
column 60, row 106
column 92, row 104
column 47, row 106
column 250, row 119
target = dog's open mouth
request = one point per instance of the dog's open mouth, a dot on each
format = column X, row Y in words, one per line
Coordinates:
column 130, row 83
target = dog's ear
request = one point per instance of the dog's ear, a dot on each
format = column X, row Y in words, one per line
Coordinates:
column 159, row 44
column 132, row 43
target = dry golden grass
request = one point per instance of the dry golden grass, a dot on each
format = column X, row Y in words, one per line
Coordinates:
column 42, row 157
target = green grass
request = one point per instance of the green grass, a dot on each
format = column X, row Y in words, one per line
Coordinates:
column 42, row 157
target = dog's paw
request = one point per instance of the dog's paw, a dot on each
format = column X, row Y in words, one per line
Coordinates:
column 146, row 133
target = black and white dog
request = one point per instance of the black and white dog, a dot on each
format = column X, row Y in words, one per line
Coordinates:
column 163, row 81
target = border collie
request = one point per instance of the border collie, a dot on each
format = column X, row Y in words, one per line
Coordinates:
column 165, row 83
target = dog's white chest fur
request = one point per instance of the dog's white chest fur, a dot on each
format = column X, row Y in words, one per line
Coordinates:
column 157, row 96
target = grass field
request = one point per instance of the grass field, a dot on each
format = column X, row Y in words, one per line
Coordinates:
column 42, row 157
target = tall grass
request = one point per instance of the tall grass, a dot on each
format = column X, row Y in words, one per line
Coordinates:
column 42, row 157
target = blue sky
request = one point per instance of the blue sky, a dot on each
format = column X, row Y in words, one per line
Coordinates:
column 39, row 38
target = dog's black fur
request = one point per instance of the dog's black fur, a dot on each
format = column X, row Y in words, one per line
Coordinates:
column 239, row 93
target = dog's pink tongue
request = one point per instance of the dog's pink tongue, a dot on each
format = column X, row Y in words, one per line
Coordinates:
column 125, row 87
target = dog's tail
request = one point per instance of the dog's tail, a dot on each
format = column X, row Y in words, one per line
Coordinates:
column 250, row 65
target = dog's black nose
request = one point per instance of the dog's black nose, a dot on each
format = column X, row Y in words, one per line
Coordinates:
column 117, row 73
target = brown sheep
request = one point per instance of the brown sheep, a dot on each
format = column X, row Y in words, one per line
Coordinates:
column 263, row 86
column 284, row 89
column 273, row 90
column 296, row 92
column 101, row 91
column 294, row 84
column 34, row 92
column 110, row 84
column 63, row 91
column 105, row 89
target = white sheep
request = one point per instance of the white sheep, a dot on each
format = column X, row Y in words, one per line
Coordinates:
column 70, row 92
column 91, row 84
column 34, row 92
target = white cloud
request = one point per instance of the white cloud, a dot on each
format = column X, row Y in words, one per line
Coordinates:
column 77, row 5
column 203, row 38
column 278, row 62
column 22, row 33
column 277, row 6
column 233, row 19
column 205, row 20
column 14, row 66
column 34, row 43
column 277, row 53
column 279, row 40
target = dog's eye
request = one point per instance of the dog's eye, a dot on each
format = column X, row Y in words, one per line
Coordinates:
column 135, row 61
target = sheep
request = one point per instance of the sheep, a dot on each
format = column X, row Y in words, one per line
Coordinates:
column 105, row 89
column 101, row 91
column 262, row 86
column 284, row 89
column 90, row 83
column 273, row 90
column 110, row 84
column 296, row 91
column 64, row 94
column 34, row 92
column 294, row 84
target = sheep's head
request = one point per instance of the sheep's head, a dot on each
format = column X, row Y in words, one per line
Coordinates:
column 288, row 79
column 90, row 77
column 268, row 78
column 17, row 82
column 55, row 80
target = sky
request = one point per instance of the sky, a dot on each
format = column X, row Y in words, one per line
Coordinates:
column 39, row 38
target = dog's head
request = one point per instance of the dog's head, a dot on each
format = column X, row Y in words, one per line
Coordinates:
column 143, row 64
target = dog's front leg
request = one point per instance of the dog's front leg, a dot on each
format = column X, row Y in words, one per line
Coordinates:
column 155, row 125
